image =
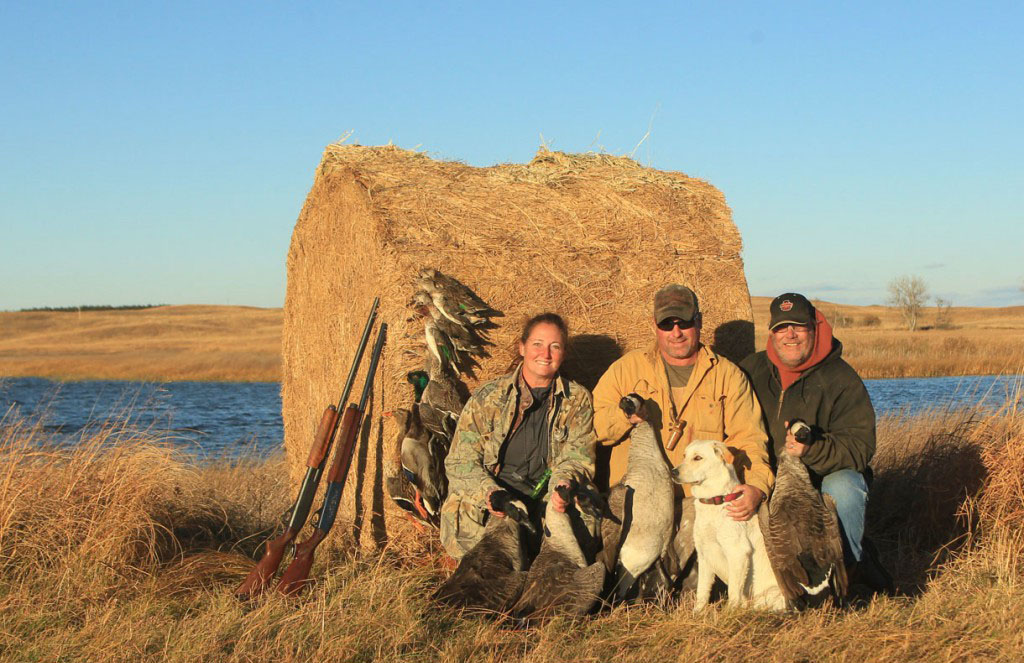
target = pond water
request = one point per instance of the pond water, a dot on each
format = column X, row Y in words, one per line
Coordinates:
column 234, row 419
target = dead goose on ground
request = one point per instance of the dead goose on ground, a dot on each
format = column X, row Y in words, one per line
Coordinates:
column 490, row 577
column 563, row 579
column 801, row 534
column 643, row 501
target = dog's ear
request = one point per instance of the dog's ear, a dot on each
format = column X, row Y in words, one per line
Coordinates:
column 723, row 452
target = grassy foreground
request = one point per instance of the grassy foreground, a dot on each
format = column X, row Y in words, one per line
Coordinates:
column 118, row 550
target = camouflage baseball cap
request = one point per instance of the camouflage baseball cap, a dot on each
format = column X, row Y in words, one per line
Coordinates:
column 675, row 301
column 791, row 309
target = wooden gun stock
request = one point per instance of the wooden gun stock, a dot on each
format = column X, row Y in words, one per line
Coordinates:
column 260, row 576
column 296, row 576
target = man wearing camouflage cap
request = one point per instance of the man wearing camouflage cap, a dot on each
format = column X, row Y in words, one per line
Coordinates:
column 690, row 393
column 801, row 375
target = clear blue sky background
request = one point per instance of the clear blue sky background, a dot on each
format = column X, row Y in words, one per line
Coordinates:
column 159, row 152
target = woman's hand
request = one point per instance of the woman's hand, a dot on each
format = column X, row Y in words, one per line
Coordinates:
column 557, row 502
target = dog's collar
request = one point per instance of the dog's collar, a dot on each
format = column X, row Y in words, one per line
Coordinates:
column 721, row 499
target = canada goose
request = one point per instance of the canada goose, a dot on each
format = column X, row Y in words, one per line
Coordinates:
column 562, row 578
column 643, row 501
column 801, row 535
column 490, row 576
column 422, row 461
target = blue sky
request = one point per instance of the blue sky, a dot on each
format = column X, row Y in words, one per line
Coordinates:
column 159, row 152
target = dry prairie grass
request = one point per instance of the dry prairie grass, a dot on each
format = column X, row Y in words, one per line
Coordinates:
column 230, row 343
column 119, row 551
column 981, row 341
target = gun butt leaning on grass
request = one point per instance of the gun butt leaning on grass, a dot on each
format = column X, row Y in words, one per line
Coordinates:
column 260, row 576
column 296, row 576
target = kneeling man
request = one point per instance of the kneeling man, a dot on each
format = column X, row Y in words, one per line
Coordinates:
column 802, row 375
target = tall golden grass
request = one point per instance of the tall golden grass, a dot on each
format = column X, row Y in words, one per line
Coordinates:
column 120, row 550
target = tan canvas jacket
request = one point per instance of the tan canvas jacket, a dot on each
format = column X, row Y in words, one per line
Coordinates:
column 718, row 404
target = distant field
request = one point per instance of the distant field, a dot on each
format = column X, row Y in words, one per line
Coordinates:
column 232, row 343
column 239, row 343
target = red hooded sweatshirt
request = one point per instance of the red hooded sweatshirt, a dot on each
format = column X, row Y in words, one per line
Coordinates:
column 822, row 346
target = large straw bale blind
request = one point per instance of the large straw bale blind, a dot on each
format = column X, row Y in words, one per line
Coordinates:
column 589, row 236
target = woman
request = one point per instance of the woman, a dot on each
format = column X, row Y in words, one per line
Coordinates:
column 522, row 432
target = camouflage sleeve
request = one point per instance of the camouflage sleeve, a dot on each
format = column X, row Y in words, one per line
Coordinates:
column 577, row 455
column 464, row 465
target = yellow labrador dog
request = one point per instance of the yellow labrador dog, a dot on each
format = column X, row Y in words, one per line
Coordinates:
column 733, row 551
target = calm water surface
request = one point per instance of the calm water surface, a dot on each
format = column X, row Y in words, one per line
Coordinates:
column 232, row 419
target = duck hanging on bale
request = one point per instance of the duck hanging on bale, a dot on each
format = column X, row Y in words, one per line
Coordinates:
column 452, row 315
column 422, row 463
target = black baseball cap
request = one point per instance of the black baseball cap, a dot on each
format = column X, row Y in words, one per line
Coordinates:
column 675, row 301
column 791, row 309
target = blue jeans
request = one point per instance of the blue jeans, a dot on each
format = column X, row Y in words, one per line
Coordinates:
column 850, row 491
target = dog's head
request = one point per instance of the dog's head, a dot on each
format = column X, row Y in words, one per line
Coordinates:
column 703, row 459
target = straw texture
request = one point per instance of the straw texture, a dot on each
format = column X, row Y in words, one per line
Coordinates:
column 590, row 236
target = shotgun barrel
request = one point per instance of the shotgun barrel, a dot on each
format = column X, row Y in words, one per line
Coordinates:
column 296, row 576
column 260, row 576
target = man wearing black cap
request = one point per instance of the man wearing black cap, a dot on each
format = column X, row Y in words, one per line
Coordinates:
column 690, row 393
column 802, row 375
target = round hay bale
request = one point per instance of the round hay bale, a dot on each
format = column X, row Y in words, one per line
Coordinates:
column 590, row 236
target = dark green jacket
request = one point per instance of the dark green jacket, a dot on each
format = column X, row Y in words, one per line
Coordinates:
column 829, row 396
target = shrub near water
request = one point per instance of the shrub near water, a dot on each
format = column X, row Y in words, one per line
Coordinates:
column 119, row 550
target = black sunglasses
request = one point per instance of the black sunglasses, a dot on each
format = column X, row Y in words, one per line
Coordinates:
column 668, row 323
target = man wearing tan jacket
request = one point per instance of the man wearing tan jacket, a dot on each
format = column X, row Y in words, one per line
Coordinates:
column 690, row 393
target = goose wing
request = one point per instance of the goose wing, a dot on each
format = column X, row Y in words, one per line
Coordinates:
column 614, row 533
column 832, row 546
column 801, row 534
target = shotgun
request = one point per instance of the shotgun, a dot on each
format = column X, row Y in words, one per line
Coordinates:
column 260, row 576
column 296, row 576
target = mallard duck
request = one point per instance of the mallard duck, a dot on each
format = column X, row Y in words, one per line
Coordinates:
column 461, row 298
column 422, row 466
